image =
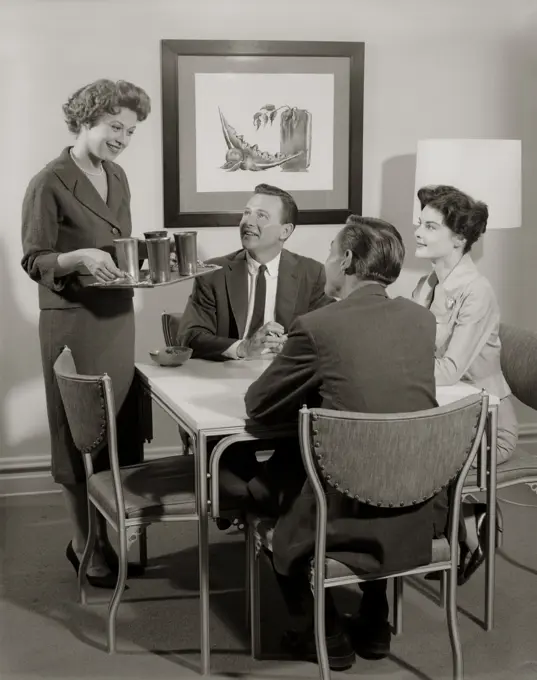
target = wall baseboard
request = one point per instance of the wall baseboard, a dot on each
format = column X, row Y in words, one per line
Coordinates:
column 24, row 475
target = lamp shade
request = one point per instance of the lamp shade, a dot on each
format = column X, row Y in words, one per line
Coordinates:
column 489, row 170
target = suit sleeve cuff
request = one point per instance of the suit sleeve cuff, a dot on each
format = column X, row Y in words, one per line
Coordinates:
column 231, row 351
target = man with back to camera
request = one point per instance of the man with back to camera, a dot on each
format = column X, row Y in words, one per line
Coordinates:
column 367, row 353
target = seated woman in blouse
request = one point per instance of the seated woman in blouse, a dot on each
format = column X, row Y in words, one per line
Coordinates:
column 467, row 316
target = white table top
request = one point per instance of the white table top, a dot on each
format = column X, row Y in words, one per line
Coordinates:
column 210, row 394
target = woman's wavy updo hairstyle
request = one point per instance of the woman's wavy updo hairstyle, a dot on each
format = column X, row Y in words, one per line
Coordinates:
column 462, row 214
column 376, row 246
column 88, row 104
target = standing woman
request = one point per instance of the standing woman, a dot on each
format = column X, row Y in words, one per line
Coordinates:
column 467, row 320
column 73, row 210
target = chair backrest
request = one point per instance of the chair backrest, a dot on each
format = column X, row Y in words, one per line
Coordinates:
column 519, row 362
column 391, row 460
column 170, row 328
column 89, row 406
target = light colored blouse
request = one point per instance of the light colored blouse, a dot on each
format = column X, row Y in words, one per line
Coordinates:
column 467, row 327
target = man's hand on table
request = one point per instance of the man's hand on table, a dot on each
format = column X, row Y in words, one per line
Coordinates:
column 269, row 339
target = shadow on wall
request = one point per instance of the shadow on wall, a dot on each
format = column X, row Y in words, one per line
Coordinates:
column 151, row 304
column 397, row 204
column 21, row 377
column 522, row 100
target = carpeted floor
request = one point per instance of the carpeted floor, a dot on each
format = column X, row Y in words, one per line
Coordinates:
column 45, row 633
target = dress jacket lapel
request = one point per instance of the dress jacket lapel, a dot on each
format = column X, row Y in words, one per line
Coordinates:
column 237, row 288
column 424, row 292
column 287, row 290
column 84, row 191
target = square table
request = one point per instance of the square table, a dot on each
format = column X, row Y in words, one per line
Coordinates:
column 206, row 399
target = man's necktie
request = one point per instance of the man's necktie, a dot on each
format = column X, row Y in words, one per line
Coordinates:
column 258, row 315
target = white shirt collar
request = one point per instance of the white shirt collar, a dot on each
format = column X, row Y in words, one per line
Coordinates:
column 272, row 267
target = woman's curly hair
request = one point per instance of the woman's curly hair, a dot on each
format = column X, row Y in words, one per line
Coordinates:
column 462, row 214
column 88, row 104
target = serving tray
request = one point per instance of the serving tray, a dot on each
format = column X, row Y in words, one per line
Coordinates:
column 145, row 280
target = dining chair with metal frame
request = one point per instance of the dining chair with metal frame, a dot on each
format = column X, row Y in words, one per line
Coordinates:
column 129, row 498
column 389, row 461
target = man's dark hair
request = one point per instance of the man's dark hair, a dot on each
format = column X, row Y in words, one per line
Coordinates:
column 376, row 246
column 462, row 214
column 289, row 209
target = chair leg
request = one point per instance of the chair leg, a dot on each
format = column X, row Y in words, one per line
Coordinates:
column 453, row 625
column 142, row 538
column 320, row 634
column 443, row 589
column 118, row 592
column 254, row 599
column 88, row 552
column 398, row 605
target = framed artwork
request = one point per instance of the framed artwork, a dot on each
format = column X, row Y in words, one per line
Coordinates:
column 238, row 113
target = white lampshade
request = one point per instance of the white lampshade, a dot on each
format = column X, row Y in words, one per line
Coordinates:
column 489, row 170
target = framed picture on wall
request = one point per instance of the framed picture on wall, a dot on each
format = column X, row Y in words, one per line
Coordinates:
column 238, row 113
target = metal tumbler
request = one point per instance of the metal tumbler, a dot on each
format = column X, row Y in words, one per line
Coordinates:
column 127, row 256
column 186, row 250
column 158, row 255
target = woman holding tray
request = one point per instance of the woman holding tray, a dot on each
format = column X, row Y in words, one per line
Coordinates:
column 73, row 210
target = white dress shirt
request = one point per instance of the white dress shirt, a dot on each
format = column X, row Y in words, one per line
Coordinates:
column 271, row 278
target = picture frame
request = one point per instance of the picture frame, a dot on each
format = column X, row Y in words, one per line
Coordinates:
column 240, row 113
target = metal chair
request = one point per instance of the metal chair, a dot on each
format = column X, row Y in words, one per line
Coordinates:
column 519, row 366
column 129, row 498
column 171, row 322
column 388, row 460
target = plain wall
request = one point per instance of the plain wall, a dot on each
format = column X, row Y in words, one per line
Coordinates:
column 457, row 69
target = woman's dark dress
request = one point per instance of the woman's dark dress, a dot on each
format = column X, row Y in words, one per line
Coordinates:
column 62, row 211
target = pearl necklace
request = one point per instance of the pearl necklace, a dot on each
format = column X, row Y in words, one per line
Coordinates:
column 94, row 174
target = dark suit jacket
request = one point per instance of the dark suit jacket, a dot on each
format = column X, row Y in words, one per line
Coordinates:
column 367, row 353
column 61, row 212
column 215, row 316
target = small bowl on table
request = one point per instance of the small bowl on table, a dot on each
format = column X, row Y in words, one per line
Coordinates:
column 171, row 356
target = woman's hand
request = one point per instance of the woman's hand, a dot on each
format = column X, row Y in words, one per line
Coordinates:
column 100, row 264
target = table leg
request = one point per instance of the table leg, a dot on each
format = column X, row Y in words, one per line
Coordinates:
column 203, row 548
column 492, row 427
column 200, row 448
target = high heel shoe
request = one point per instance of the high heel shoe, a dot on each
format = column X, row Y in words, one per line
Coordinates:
column 468, row 567
column 108, row 581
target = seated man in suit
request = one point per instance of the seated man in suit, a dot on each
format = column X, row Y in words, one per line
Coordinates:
column 244, row 309
column 365, row 353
